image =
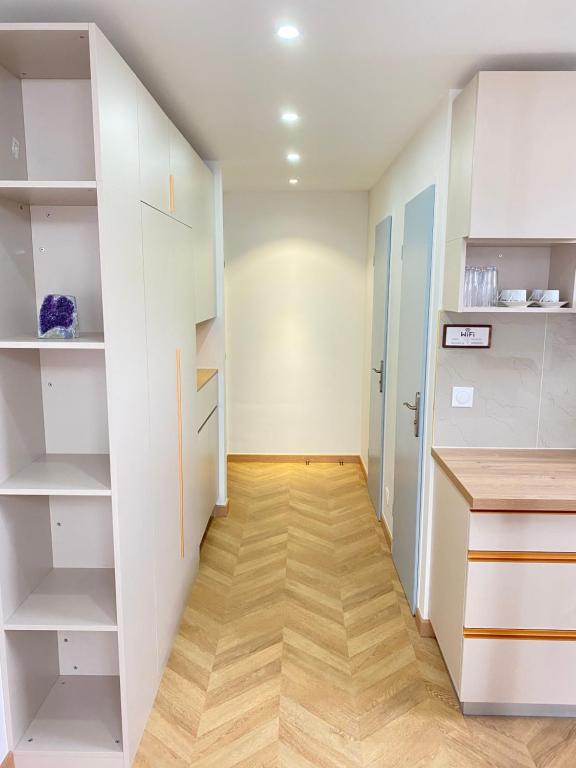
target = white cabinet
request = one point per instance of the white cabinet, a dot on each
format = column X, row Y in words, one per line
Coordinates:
column 206, row 453
column 154, row 133
column 207, row 470
column 513, row 157
column 183, row 177
column 101, row 513
column 204, row 246
column 176, row 181
column 502, row 605
column 171, row 383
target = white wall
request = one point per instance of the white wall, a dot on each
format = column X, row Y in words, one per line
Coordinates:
column 424, row 161
column 295, row 314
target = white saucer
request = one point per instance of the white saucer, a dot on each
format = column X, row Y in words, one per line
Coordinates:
column 517, row 304
column 550, row 304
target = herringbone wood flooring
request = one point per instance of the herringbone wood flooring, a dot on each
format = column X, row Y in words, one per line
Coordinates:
column 297, row 648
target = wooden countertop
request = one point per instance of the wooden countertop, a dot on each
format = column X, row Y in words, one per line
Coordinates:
column 512, row 479
column 203, row 376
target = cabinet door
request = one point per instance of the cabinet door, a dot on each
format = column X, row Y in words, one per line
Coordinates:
column 171, row 352
column 183, row 162
column 525, row 156
column 204, row 255
column 154, row 130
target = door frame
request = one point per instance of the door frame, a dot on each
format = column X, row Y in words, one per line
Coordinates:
column 380, row 509
column 423, row 415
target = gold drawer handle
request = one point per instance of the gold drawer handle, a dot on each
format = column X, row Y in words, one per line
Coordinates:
column 180, row 461
column 494, row 633
column 481, row 556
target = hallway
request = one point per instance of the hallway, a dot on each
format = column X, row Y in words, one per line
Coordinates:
column 297, row 648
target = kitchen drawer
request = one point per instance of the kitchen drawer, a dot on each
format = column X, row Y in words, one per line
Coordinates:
column 522, row 672
column 206, row 401
column 523, row 532
column 521, row 595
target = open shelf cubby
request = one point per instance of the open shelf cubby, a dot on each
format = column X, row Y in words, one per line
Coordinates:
column 57, row 563
column 46, row 104
column 528, row 266
column 49, row 192
column 56, row 436
column 64, row 696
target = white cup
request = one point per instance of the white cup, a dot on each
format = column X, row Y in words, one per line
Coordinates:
column 545, row 295
column 513, row 294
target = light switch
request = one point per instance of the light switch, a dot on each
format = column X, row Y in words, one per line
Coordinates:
column 462, row 397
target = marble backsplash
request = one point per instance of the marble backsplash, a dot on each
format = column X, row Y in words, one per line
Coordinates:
column 524, row 385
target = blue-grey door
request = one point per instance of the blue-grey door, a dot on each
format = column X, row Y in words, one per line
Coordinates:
column 411, row 402
column 380, row 294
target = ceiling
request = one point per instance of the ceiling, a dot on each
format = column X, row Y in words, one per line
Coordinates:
column 364, row 75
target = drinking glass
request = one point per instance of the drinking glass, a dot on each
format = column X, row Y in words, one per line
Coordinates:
column 492, row 287
column 475, row 296
column 468, row 287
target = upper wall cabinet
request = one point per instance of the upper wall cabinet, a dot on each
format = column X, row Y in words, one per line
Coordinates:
column 154, row 134
column 183, row 173
column 177, row 182
column 204, row 253
column 513, row 157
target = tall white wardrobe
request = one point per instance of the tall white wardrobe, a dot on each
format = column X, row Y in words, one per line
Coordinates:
column 109, row 457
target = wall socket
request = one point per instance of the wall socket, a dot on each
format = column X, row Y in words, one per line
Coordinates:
column 15, row 148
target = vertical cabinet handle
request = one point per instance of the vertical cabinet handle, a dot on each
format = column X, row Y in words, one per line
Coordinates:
column 172, row 205
column 180, row 461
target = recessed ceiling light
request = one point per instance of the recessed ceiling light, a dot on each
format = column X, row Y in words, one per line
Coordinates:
column 288, row 32
column 293, row 181
column 293, row 157
column 290, row 117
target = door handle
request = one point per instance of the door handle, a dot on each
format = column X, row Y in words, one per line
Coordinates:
column 416, row 409
column 380, row 372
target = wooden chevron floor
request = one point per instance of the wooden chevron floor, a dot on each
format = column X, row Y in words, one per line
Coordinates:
column 298, row 650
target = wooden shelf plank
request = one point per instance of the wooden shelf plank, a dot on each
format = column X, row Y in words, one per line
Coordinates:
column 61, row 474
column 29, row 341
column 71, row 600
column 524, row 310
column 203, row 376
column 49, row 192
column 81, row 715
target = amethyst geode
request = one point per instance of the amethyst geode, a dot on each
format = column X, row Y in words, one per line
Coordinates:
column 58, row 317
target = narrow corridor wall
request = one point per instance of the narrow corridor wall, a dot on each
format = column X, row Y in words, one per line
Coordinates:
column 295, row 308
column 424, row 161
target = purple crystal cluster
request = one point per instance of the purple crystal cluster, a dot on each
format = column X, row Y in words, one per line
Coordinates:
column 58, row 317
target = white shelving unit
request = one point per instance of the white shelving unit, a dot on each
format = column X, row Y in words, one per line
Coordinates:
column 85, row 709
column 61, row 474
column 57, row 566
column 528, row 265
column 49, row 192
column 105, row 483
column 69, row 599
column 29, row 341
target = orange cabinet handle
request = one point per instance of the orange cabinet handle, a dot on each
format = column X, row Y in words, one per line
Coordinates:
column 172, row 204
column 180, row 441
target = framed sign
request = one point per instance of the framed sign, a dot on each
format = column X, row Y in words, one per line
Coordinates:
column 478, row 336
